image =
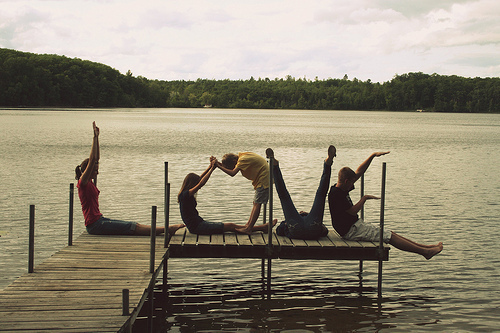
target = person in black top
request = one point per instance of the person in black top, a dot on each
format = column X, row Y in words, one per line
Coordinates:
column 189, row 214
column 346, row 222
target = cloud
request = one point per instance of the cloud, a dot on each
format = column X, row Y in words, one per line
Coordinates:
column 367, row 39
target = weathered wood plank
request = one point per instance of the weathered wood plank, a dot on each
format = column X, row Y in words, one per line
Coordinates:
column 79, row 288
column 233, row 245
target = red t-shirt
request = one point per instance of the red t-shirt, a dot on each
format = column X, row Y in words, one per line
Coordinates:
column 89, row 197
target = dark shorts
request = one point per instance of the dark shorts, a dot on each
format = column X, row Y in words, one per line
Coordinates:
column 105, row 226
column 208, row 228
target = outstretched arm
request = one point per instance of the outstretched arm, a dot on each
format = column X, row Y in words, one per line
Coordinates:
column 364, row 166
column 357, row 207
column 93, row 158
column 232, row 173
column 204, row 177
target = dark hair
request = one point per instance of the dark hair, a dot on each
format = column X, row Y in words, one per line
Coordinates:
column 229, row 161
column 80, row 169
column 190, row 181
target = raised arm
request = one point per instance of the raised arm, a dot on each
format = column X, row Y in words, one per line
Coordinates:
column 93, row 158
column 204, row 177
column 364, row 166
column 232, row 172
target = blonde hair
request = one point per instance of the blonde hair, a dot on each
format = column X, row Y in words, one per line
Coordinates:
column 346, row 173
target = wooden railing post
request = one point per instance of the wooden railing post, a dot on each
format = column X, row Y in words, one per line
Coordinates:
column 362, row 215
column 153, row 240
column 71, row 204
column 125, row 302
column 166, row 207
column 31, row 249
column 270, row 231
column 381, row 243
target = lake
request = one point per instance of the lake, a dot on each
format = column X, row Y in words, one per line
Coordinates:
column 442, row 185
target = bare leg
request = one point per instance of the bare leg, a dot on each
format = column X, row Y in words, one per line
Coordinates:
column 254, row 215
column 228, row 226
column 145, row 230
column 421, row 245
column 405, row 245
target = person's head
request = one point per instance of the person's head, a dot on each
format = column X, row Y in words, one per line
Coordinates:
column 189, row 182
column 229, row 161
column 80, row 169
column 347, row 178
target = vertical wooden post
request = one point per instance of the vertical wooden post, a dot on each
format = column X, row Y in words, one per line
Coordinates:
column 125, row 302
column 166, row 207
column 270, row 231
column 381, row 243
column 71, row 204
column 362, row 215
column 263, row 263
column 166, row 238
column 31, row 249
column 153, row 240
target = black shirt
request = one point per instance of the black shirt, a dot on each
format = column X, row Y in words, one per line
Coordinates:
column 339, row 202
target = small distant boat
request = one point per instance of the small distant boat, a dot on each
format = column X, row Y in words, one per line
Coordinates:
column 420, row 110
column 207, row 105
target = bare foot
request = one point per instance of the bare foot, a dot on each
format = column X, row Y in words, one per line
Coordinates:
column 265, row 228
column 173, row 228
column 269, row 154
column 433, row 251
column 332, row 152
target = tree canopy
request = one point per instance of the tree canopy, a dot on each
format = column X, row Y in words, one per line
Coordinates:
column 42, row 80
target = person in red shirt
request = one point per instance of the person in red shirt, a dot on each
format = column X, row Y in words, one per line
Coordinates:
column 86, row 175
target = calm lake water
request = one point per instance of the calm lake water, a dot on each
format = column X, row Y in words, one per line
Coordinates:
column 442, row 185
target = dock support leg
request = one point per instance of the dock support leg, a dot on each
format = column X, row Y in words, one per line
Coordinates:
column 381, row 243
column 31, row 249
column 269, row 278
column 125, row 302
column 270, row 231
column 165, row 277
column 166, row 207
column 153, row 240
column 263, row 262
column 71, row 200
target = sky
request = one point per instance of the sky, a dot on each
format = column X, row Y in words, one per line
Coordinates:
column 238, row 39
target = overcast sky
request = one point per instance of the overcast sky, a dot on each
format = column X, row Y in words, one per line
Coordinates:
column 237, row 39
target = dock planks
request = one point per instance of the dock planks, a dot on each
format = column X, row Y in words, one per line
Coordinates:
column 229, row 245
column 79, row 288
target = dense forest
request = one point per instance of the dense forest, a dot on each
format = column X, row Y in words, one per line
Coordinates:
column 42, row 80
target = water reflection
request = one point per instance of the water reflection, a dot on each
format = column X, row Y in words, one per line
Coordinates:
column 305, row 305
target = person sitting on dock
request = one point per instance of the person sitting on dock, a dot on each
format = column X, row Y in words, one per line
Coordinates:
column 95, row 223
column 187, row 204
column 345, row 218
column 255, row 168
column 302, row 225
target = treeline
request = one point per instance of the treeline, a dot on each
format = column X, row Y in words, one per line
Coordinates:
column 33, row 80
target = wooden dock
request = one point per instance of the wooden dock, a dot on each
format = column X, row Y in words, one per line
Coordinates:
column 230, row 245
column 79, row 288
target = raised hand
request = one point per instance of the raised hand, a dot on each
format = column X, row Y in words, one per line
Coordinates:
column 96, row 129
